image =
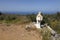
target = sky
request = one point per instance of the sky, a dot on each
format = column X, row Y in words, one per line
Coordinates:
column 29, row 5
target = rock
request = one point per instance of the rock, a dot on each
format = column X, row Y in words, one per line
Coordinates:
column 30, row 27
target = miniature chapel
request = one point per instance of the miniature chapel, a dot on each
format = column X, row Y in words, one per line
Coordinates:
column 39, row 18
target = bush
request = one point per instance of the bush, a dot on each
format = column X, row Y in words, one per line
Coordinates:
column 0, row 13
column 1, row 18
column 31, row 17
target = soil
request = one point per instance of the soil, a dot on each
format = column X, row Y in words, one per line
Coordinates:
column 18, row 32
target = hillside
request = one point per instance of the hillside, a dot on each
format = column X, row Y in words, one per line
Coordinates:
column 18, row 32
column 13, row 27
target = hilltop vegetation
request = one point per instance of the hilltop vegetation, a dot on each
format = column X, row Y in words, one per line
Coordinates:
column 13, row 18
column 52, row 19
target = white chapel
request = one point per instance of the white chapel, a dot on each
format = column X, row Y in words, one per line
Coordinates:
column 39, row 18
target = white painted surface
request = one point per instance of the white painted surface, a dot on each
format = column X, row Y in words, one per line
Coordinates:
column 37, row 25
column 39, row 18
